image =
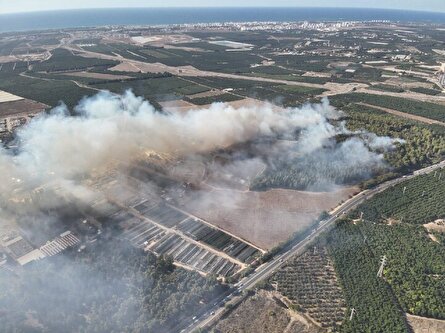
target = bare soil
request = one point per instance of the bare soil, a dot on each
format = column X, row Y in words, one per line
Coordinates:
column 177, row 106
column 438, row 225
column 125, row 67
column 265, row 315
column 264, row 218
column 21, row 107
column 425, row 325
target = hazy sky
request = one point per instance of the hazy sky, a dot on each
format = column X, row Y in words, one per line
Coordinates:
column 8, row 6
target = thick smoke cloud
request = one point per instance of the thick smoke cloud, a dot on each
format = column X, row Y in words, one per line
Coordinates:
column 109, row 129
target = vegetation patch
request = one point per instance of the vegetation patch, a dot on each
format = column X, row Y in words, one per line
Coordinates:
column 309, row 281
column 417, row 201
column 424, row 109
column 63, row 60
column 376, row 308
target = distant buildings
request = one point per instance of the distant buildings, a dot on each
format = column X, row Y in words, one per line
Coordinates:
column 16, row 111
column 13, row 244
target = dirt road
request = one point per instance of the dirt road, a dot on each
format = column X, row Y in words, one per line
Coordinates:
column 331, row 87
column 403, row 114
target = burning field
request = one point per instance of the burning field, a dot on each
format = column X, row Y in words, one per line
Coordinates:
column 255, row 173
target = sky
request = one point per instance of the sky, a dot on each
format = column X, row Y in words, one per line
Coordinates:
column 11, row 6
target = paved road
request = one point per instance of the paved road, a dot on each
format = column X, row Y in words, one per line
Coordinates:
column 215, row 309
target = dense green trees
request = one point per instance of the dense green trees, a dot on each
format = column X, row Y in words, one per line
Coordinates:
column 414, row 275
column 422, row 202
column 419, row 108
column 414, row 272
column 356, row 266
column 424, row 144
column 415, row 268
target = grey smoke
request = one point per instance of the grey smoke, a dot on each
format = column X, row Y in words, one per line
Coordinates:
column 383, row 143
column 58, row 150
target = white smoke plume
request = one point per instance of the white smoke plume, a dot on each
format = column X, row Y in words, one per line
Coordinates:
column 110, row 128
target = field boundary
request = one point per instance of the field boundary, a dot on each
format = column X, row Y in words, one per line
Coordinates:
column 403, row 114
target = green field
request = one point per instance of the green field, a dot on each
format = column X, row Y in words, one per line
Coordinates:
column 159, row 89
column 386, row 87
column 415, row 268
column 418, row 108
column 281, row 94
column 356, row 266
column 212, row 99
column 422, row 202
column 49, row 92
column 412, row 279
column 62, row 60
column 426, row 91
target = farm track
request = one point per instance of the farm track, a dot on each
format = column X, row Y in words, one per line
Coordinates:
column 408, row 95
column 403, row 114
column 331, row 88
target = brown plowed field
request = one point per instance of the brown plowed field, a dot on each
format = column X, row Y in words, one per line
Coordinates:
column 264, row 218
column 21, row 107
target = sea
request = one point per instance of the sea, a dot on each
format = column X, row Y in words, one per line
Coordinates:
column 162, row 16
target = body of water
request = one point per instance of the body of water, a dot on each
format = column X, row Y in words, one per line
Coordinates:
column 156, row 16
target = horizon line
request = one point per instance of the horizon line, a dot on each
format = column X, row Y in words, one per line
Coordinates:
column 218, row 7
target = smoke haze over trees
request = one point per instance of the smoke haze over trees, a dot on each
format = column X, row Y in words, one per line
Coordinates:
column 108, row 129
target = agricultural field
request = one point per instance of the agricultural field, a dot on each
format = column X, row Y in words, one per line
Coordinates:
column 387, row 87
column 64, row 60
column 265, row 218
column 21, row 107
column 212, row 99
column 161, row 213
column 159, row 227
column 154, row 230
column 413, row 275
column 156, row 88
column 426, row 91
column 48, row 92
column 416, row 201
column 219, row 240
column 356, row 266
column 310, row 283
column 156, row 236
column 280, row 94
column 415, row 268
column 418, row 108
column 424, row 144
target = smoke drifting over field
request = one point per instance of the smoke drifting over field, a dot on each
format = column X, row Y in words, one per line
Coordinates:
column 108, row 129
column 224, row 150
